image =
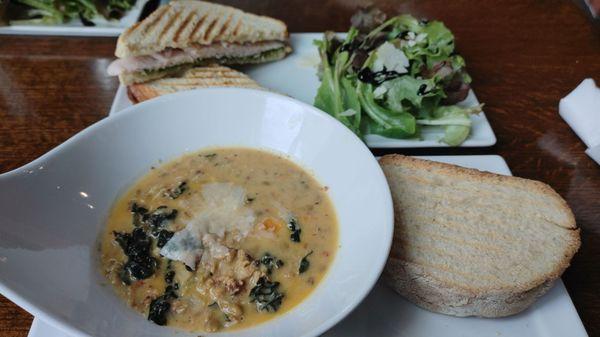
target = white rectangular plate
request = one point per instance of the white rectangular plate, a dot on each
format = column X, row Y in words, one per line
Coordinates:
column 384, row 313
column 76, row 28
column 296, row 76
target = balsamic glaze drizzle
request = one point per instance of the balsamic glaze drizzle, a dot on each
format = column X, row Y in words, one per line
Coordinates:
column 377, row 77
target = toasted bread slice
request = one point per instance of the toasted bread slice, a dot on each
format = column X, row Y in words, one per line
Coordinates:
column 200, row 77
column 471, row 243
column 186, row 23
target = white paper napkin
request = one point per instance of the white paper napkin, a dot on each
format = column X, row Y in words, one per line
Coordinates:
column 581, row 110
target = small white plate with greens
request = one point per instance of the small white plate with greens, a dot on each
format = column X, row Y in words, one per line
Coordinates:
column 297, row 76
column 399, row 79
column 68, row 17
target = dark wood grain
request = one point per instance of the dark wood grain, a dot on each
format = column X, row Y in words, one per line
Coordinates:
column 523, row 56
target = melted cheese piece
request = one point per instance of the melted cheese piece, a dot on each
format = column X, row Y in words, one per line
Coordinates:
column 223, row 212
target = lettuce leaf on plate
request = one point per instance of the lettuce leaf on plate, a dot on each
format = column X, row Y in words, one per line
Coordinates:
column 395, row 77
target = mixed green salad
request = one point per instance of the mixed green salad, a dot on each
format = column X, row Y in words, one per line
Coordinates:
column 394, row 77
column 51, row 12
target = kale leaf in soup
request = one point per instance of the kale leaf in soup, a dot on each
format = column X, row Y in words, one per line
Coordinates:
column 163, row 237
column 270, row 262
column 294, row 228
column 266, row 295
column 175, row 192
column 140, row 264
column 160, row 217
column 160, row 306
column 304, row 263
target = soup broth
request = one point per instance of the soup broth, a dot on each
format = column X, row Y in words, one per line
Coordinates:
column 219, row 239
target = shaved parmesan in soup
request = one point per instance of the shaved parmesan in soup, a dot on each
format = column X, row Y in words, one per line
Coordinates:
column 220, row 239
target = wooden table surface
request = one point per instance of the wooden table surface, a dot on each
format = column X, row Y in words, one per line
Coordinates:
column 523, row 55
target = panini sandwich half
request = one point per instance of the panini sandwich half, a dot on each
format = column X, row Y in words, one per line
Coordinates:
column 187, row 33
column 471, row 243
column 199, row 77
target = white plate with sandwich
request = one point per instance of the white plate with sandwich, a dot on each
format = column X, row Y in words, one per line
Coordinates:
column 385, row 313
column 152, row 64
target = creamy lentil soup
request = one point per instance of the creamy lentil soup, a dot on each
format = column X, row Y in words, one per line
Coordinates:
column 219, row 239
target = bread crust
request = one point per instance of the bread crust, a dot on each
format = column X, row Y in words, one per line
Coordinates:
column 199, row 77
column 417, row 285
column 414, row 284
column 131, row 94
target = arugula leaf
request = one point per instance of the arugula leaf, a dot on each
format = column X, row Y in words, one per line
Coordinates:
column 371, row 127
column 456, row 122
column 440, row 39
column 402, row 121
column 41, row 12
column 115, row 9
column 454, row 135
column 352, row 102
column 79, row 8
column 406, row 93
column 336, row 93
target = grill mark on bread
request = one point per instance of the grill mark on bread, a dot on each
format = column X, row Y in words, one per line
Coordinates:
column 223, row 29
column 238, row 26
column 145, row 92
column 168, row 25
column 209, row 29
column 132, row 93
column 200, row 77
column 152, row 20
column 199, row 25
column 183, row 26
column 129, row 31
